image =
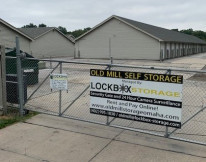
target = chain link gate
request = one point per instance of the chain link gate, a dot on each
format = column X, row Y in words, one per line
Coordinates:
column 75, row 103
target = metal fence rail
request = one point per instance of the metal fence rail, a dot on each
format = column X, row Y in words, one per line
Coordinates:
column 75, row 102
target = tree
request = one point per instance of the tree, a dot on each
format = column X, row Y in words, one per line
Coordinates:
column 31, row 25
column 42, row 25
column 175, row 30
column 77, row 33
column 187, row 31
column 198, row 33
column 62, row 29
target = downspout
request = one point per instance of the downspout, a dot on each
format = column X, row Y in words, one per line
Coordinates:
column 30, row 47
column 161, row 54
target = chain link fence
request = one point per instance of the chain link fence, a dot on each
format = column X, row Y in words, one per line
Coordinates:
column 75, row 102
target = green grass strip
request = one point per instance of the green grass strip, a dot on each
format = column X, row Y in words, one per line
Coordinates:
column 10, row 119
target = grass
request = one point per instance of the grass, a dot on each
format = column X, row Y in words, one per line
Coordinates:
column 13, row 117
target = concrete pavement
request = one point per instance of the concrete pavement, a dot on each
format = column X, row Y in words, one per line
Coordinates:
column 53, row 139
column 196, row 61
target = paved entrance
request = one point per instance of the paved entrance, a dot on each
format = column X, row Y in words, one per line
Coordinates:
column 53, row 139
column 74, row 102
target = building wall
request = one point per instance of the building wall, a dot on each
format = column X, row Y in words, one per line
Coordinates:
column 168, row 50
column 162, row 50
column 8, row 37
column 52, row 44
column 118, row 40
column 179, row 49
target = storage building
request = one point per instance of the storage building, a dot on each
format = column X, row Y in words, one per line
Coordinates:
column 8, row 35
column 123, row 38
column 49, row 42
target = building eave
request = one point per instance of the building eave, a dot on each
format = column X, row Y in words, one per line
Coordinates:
column 108, row 19
column 15, row 29
column 55, row 30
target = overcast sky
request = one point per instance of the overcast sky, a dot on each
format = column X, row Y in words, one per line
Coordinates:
column 78, row 14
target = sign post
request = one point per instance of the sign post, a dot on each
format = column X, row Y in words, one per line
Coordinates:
column 144, row 97
column 59, row 82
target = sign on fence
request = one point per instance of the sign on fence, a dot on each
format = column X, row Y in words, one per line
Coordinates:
column 58, row 81
column 145, row 97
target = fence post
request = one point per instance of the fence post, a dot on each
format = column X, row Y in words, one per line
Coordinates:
column 3, row 95
column 50, row 63
column 19, row 78
column 60, row 91
column 111, row 62
column 166, row 129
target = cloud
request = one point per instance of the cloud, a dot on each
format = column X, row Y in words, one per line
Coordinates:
column 76, row 14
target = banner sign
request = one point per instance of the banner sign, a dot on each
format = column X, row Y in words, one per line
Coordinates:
column 145, row 97
column 58, row 81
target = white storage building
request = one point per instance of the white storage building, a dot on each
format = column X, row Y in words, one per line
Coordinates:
column 41, row 42
column 49, row 42
column 8, row 35
column 122, row 38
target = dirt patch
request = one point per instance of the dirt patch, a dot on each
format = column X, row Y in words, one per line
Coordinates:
column 11, row 113
column 5, row 117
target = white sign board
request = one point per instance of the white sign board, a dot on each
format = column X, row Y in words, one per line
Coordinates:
column 58, row 81
column 146, row 97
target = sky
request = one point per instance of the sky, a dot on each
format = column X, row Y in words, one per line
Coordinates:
column 79, row 14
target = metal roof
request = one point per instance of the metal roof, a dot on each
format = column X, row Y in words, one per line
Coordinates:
column 35, row 32
column 15, row 29
column 164, row 34
column 161, row 34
